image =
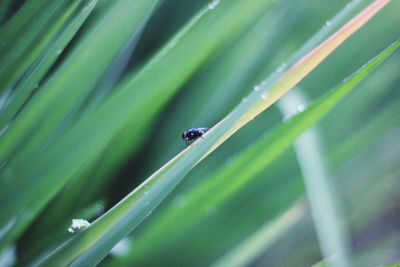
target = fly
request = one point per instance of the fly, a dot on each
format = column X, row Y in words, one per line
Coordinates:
column 191, row 135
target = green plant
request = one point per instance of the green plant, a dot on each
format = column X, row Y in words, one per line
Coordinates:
column 80, row 123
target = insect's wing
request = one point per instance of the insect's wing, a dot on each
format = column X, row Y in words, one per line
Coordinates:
column 204, row 130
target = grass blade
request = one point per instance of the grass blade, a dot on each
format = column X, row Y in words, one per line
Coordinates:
column 28, row 45
column 247, row 251
column 56, row 98
column 323, row 204
column 78, row 74
column 4, row 6
column 10, row 32
column 35, row 73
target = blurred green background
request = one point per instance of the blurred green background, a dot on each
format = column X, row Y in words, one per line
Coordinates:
column 67, row 152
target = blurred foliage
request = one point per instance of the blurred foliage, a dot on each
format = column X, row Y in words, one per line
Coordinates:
column 94, row 96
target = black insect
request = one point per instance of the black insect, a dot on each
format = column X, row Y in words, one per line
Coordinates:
column 192, row 134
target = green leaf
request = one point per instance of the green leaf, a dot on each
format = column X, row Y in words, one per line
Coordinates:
column 247, row 251
column 73, row 79
column 4, row 6
column 19, row 52
column 11, row 31
column 65, row 29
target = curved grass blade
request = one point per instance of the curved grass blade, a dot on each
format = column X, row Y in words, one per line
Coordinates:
column 34, row 74
column 120, row 220
column 220, row 187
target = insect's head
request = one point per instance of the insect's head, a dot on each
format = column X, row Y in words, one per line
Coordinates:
column 184, row 135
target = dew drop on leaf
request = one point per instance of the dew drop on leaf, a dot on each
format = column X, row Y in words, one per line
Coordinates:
column 77, row 225
column 264, row 96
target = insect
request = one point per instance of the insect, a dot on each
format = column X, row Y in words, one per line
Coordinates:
column 192, row 134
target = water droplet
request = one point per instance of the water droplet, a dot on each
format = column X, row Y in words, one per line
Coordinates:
column 213, row 4
column 352, row 3
column 328, row 23
column 146, row 192
column 281, row 68
column 264, row 95
column 301, row 108
column 257, row 88
column 59, row 51
column 78, row 225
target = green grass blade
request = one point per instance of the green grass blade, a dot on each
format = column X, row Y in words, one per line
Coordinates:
column 247, row 251
column 120, row 220
column 220, row 187
column 76, row 77
column 10, row 32
column 323, row 204
column 31, row 43
column 4, row 6
column 34, row 74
